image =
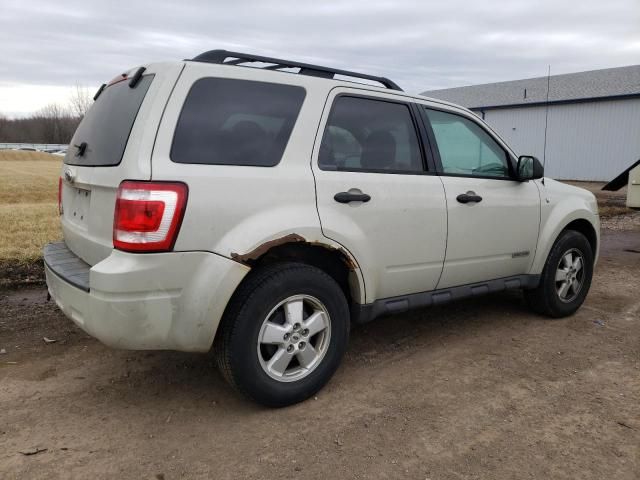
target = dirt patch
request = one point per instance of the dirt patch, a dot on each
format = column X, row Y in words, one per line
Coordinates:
column 15, row 274
column 476, row 389
column 27, row 318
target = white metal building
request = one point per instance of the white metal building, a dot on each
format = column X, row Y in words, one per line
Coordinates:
column 593, row 128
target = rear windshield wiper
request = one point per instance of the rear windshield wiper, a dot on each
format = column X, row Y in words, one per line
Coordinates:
column 81, row 149
column 102, row 87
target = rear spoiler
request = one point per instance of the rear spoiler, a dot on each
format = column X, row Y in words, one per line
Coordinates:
column 132, row 82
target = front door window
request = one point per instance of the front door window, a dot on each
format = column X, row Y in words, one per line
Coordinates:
column 465, row 148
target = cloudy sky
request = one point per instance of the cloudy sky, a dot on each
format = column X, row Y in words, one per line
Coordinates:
column 48, row 46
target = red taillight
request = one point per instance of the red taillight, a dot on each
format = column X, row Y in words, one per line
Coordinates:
column 60, row 196
column 148, row 215
column 139, row 215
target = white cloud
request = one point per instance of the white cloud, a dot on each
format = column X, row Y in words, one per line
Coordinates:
column 419, row 44
column 19, row 99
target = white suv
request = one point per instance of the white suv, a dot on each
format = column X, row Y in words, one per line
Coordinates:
column 258, row 207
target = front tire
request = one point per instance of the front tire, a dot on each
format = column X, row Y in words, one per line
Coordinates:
column 566, row 277
column 283, row 334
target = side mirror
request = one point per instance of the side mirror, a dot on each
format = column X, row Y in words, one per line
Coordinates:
column 529, row 168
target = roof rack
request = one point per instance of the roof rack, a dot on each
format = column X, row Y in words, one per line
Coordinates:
column 236, row 58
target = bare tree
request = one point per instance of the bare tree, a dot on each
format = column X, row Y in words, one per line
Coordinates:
column 3, row 126
column 80, row 101
column 54, row 123
column 49, row 122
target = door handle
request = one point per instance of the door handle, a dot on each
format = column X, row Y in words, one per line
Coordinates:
column 347, row 197
column 469, row 197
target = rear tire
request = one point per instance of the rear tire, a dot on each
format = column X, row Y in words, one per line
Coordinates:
column 283, row 334
column 566, row 277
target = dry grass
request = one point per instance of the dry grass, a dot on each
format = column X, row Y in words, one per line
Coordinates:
column 30, row 180
column 22, row 155
column 27, row 228
column 28, row 204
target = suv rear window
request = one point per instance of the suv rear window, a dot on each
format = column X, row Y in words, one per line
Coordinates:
column 236, row 122
column 107, row 125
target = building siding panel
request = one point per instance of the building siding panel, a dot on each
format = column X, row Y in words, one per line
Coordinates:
column 585, row 141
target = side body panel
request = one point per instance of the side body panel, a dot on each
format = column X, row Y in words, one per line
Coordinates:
column 561, row 205
column 494, row 238
column 399, row 236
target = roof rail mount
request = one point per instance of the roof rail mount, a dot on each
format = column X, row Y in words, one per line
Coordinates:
column 236, row 58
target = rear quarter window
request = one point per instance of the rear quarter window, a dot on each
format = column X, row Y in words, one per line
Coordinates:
column 236, row 122
column 107, row 125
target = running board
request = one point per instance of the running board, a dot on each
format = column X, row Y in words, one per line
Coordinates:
column 404, row 303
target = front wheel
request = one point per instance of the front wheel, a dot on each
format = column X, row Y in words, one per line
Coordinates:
column 283, row 334
column 566, row 277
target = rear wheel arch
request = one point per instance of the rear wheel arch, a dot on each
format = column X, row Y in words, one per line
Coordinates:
column 336, row 262
column 263, row 290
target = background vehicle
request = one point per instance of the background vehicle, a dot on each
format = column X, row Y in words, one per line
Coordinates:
column 262, row 212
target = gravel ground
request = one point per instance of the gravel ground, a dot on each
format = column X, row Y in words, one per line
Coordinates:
column 629, row 221
column 477, row 389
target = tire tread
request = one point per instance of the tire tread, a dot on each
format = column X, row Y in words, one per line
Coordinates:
column 539, row 299
column 243, row 295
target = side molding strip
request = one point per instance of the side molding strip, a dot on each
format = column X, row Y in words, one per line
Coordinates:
column 390, row 306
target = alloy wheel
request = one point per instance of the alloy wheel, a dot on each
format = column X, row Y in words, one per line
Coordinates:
column 294, row 338
column 570, row 275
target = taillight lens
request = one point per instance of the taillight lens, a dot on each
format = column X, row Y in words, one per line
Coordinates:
column 60, row 196
column 148, row 215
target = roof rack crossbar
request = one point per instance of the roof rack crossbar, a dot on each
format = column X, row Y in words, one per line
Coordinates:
column 236, row 58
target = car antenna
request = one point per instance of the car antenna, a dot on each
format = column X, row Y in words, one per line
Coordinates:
column 546, row 120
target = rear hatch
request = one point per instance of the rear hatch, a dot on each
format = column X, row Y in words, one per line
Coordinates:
column 113, row 143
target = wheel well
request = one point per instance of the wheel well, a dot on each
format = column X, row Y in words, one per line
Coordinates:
column 584, row 227
column 332, row 261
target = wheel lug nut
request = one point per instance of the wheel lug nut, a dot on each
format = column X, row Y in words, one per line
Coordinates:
column 305, row 332
column 290, row 348
column 296, row 326
column 286, row 336
column 301, row 345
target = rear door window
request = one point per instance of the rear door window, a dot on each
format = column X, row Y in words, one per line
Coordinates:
column 106, row 127
column 365, row 134
column 236, row 122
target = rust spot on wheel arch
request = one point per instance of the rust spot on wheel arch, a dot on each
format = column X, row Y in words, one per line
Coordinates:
column 249, row 257
column 265, row 247
column 348, row 261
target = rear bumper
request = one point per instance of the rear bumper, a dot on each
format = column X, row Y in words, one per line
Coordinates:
column 160, row 301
